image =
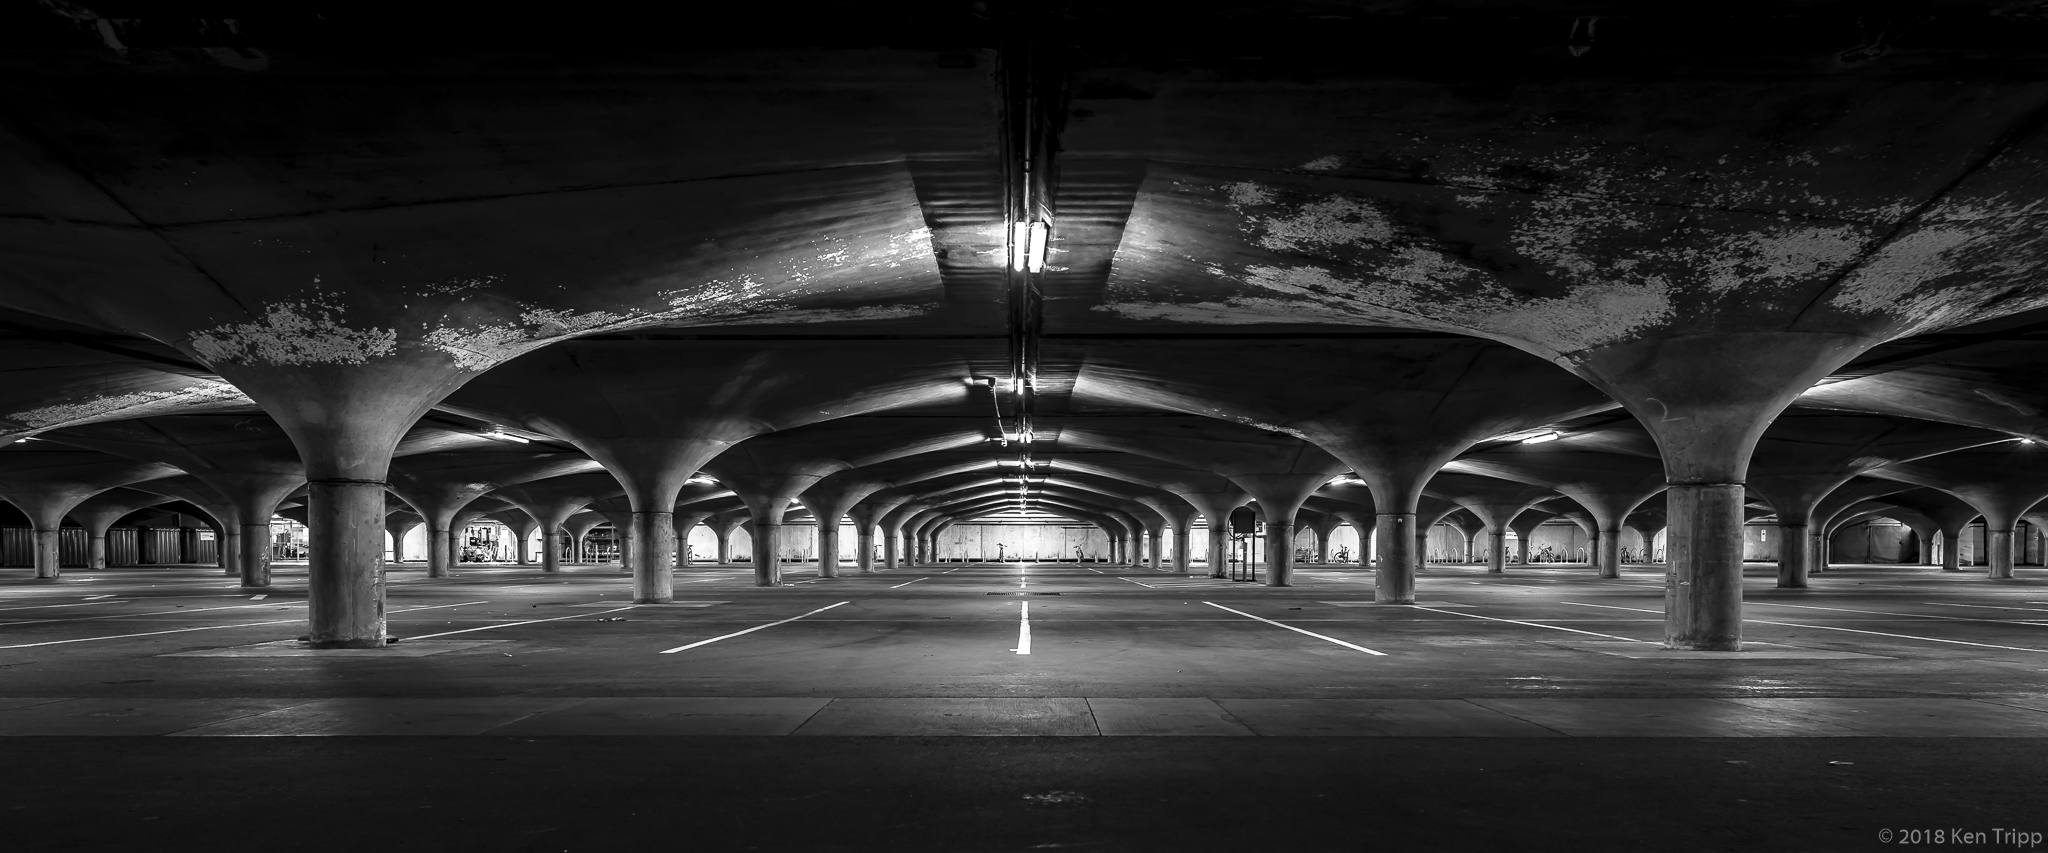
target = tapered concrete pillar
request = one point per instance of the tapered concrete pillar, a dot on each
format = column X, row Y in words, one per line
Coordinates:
column 767, row 534
column 1703, row 588
column 828, row 549
column 892, row 540
column 1219, row 547
column 864, row 548
column 1998, row 544
column 1322, row 548
column 1497, row 551
column 723, row 535
column 1279, row 553
column 254, row 563
column 1400, row 550
column 345, row 581
column 440, row 549
column 397, row 528
column 1951, row 552
column 1607, row 552
column 652, row 541
column 46, row 554
column 1522, row 550
column 1154, row 540
column 1183, row 562
column 1794, row 556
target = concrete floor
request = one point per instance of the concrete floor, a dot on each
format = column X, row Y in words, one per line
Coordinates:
column 528, row 712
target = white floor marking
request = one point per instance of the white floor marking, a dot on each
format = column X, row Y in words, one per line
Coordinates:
column 1985, row 606
column 79, row 604
column 749, row 630
column 1535, row 624
column 259, row 597
column 909, row 582
column 1845, row 630
column 1297, row 630
column 517, row 624
column 91, row 597
column 1885, row 613
column 1023, row 628
column 150, row 613
column 1022, row 577
column 1140, row 583
column 207, row 628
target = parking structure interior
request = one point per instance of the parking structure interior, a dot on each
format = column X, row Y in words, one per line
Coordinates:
column 950, row 426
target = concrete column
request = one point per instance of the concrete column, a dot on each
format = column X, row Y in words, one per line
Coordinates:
column 1156, row 538
column 47, row 552
column 652, row 543
column 1497, row 554
column 345, row 582
column 1322, row 548
column 254, row 541
column 1395, row 537
column 1471, row 545
column 1522, row 550
column 1219, row 548
column 1951, row 555
column 1999, row 544
column 96, row 551
column 892, row 541
column 864, row 544
column 724, row 537
column 440, row 550
column 1183, row 562
column 551, row 549
column 1794, row 561
column 767, row 541
column 397, row 541
column 525, row 550
column 1607, row 553
column 828, row 550
column 1279, row 553
column 1703, row 586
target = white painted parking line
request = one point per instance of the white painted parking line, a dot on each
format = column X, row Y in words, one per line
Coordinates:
column 1888, row 613
column 150, row 613
column 259, row 597
column 909, row 582
column 74, row 604
column 1844, row 630
column 1985, row 606
column 1297, row 630
column 749, row 630
column 1023, row 577
column 1140, row 583
column 91, row 597
column 206, row 628
column 1023, row 628
column 1533, row 624
column 517, row 624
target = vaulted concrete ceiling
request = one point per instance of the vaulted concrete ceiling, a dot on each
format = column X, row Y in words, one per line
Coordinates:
column 1306, row 240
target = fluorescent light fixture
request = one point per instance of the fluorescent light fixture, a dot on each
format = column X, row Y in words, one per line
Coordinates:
column 1020, row 239
column 702, row 480
column 501, row 435
column 1034, row 253
column 1541, row 437
column 1344, row 480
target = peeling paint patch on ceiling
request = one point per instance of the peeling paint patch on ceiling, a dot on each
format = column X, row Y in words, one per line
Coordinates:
column 294, row 333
